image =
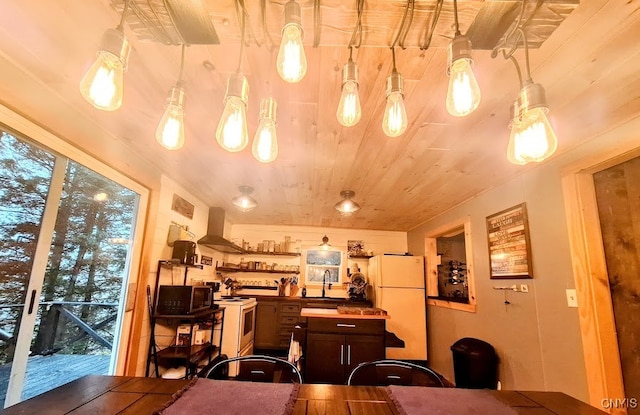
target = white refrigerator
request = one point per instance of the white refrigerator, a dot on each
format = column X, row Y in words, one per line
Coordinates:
column 399, row 288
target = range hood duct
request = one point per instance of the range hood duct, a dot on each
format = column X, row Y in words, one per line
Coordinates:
column 214, row 239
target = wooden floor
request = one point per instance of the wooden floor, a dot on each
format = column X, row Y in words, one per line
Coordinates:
column 48, row 372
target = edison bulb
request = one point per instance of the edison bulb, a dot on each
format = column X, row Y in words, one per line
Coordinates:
column 514, row 148
column 170, row 131
column 349, row 110
column 395, row 115
column 463, row 94
column 291, row 61
column 537, row 140
column 232, row 134
column 102, row 85
column 265, row 142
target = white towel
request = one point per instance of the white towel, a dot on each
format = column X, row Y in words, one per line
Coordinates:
column 294, row 352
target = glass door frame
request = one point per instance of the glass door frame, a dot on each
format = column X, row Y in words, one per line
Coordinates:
column 26, row 129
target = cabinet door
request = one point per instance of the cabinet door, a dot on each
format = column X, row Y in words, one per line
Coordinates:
column 325, row 358
column 267, row 325
column 362, row 349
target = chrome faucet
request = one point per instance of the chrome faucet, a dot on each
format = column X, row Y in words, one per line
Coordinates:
column 324, row 278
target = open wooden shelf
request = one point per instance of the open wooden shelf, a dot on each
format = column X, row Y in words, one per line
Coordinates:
column 266, row 271
column 272, row 253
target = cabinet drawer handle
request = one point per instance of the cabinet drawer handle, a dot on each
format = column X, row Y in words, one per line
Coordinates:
column 351, row 326
column 342, row 354
column 348, row 355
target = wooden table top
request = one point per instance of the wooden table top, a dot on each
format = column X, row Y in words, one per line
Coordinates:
column 110, row 395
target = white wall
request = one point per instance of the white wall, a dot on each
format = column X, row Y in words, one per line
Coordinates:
column 162, row 251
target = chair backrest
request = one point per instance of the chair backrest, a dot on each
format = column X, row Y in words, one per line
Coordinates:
column 393, row 372
column 258, row 368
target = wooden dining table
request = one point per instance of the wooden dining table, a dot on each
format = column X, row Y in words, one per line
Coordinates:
column 110, row 395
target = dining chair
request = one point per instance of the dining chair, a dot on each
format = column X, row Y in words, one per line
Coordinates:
column 393, row 372
column 257, row 368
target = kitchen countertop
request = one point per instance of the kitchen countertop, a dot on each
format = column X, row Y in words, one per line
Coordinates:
column 333, row 313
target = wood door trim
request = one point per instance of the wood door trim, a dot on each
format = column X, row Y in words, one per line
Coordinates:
column 597, row 325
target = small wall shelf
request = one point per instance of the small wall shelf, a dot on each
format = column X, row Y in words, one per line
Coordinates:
column 360, row 256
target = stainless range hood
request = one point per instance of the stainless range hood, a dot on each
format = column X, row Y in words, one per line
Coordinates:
column 214, row 239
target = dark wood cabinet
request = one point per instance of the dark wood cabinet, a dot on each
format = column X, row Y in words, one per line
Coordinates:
column 337, row 346
column 325, row 358
column 288, row 317
column 275, row 321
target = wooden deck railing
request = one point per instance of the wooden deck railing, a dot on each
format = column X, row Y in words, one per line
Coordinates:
column 56, row 309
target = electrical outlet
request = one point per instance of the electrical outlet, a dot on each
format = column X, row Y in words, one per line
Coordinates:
column 524, row 288
column 572, row 297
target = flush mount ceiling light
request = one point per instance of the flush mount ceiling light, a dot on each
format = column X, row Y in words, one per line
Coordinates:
column 347, row 206
column 244, row 202
column 102, row 85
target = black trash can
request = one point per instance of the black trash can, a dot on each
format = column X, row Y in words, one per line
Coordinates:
column 475, row 364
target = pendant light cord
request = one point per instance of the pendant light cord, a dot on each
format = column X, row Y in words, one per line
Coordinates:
column 357, row 30
column 393, row 56
column 181, row 65
column 404, row 27
column 120, row 26
column 434, row 22
column 455, row 16
column 316, row 23
column 267, row 35
column 242, row 27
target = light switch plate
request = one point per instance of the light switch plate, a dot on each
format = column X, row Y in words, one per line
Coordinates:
column 572, row 297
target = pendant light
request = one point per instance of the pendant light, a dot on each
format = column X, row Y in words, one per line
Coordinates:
column 534, row 138
column 347, row 206
column 325, row 243
column 102, row 85
column 349, row 109
column 463, row 93
column 232, row 133
column 291, row 61
column 394, row 122
column 265, row 142
column 170, row 131
column 244, row 202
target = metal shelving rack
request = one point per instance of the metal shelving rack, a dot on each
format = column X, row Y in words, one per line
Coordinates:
column 190, row 354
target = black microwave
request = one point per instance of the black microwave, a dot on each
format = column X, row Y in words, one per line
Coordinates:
column 183, row 299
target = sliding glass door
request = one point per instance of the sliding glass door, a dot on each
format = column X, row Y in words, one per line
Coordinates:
column 66, row 238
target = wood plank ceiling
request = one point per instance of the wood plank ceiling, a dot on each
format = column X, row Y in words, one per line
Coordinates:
column 579, row 52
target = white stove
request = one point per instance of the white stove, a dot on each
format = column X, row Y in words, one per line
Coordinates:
column 236, row 301
column 239, row 327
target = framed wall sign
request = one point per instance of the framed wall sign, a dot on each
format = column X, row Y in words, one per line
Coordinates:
column 182, row 206
column 509, row 247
